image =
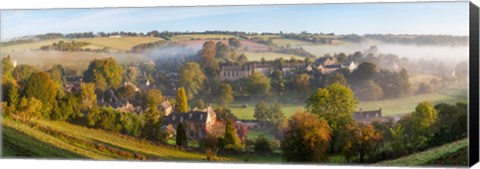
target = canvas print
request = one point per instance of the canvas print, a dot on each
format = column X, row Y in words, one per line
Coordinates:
column 382, row 84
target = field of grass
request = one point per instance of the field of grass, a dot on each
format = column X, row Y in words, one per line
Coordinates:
column 417, row 79
column 389, row 107
column 430, row 157
column 120, row 43
column 77, row 61
column 294, row 43
column 263, row 37
column 26, row 47
column 253, row 56
column 87, row 143
column 200, row 36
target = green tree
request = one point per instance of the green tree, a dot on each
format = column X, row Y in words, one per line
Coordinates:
column 209, row 63
column 370, row 92
column 181, row 101
column 89, row 98
column 336, row 104
column 22, row 72
column 104, row 73
column 234, row 42
column 301, row 84
column 28, row 108
column 262, row 111
column 307, row 139
column 277, row 113
column 192, row 78
column 419, row 126
column 57, row 74
column 262, row 145
column 13, row 97
column 40, row 86
column 336, row 78
column 242, row 59
column 7, row 67
column 257, row 84
column 156, row 95
column 126, row 92
column 68, row 108
column 231, row 140
column 181, row 137
column 152, row 130
column 225, row 94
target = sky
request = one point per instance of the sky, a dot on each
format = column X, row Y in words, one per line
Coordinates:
column 446, row 18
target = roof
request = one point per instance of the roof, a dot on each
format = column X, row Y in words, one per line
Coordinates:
column 194, row 116
column 367, row 115
column 234, row 68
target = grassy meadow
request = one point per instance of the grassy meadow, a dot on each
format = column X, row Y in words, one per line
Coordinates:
column 293, row 42
column 389, row 107
column 200, row 36
column 269, row 56
column 118, row 43
column 455, row 152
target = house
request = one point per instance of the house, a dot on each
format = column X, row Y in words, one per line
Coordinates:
column 129, row 108
column 351, row 67
column 290, row 68
column 167, row 107
column 197, row 123
column 327, row 65
column 367, row 116
column 73, row 83
column 233, row 73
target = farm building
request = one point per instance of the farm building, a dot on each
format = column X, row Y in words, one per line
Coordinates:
column 367, row 116
column 233, row 73
column 197, row 123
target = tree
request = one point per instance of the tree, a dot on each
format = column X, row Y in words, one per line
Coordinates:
column 242, row 59
column 181, row 136
column 278, row 82
column 126, row 92
column 22, row 72
column 336, row 78
column 131, row 74
column 336, row 104
column 209, row 63
column 225, row 94
column 156, row 95
column 181, row 101
column 104, row 73
column 262, row 145
column 89, row 98
column 68, row 107
column 365, row 71
column 7, row 67
column 257, row 84
column 234, row 42
column 418, row 126
column 231, row 140
column 307, row 139
column 28, row 108
column 192, row 78
column 277, row 113
column 13, row 97
column 40, row 86
column 152, row 130
column 361, row 140
column 301, row 84
column 371, row 91
column 262, row 112
column 57, row 74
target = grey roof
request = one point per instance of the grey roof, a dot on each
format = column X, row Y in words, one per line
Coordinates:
column 366, row 115
column 194, row 116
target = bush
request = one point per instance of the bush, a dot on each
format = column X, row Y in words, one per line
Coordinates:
column 262, row 145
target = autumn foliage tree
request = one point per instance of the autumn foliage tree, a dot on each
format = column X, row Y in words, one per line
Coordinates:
column 181, row 101
column 361, row 141
column 192, row 78
column 41, row 87
column 307, row 139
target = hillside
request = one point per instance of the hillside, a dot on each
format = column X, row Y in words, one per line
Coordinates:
column 47, row 139
column 453, row 154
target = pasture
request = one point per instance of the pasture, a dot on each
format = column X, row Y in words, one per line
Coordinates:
column 269, row 56
column 293, row 42
column 201, row 37
column 416, row 80
column 456, row 152
column 27, row 47
column 118, row 43
column 77, row 61
column 389, row 107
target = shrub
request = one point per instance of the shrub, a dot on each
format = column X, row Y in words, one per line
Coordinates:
column 262, row 145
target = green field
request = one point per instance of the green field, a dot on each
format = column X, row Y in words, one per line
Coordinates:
column 120, row 43
column 200, row 36
column 26, row 47
column 455, row 152
column 253, row 56
column 294, row 43
column 77, row 61
column 389, row 107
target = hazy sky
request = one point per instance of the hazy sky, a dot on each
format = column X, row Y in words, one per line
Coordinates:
column 396, row 18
